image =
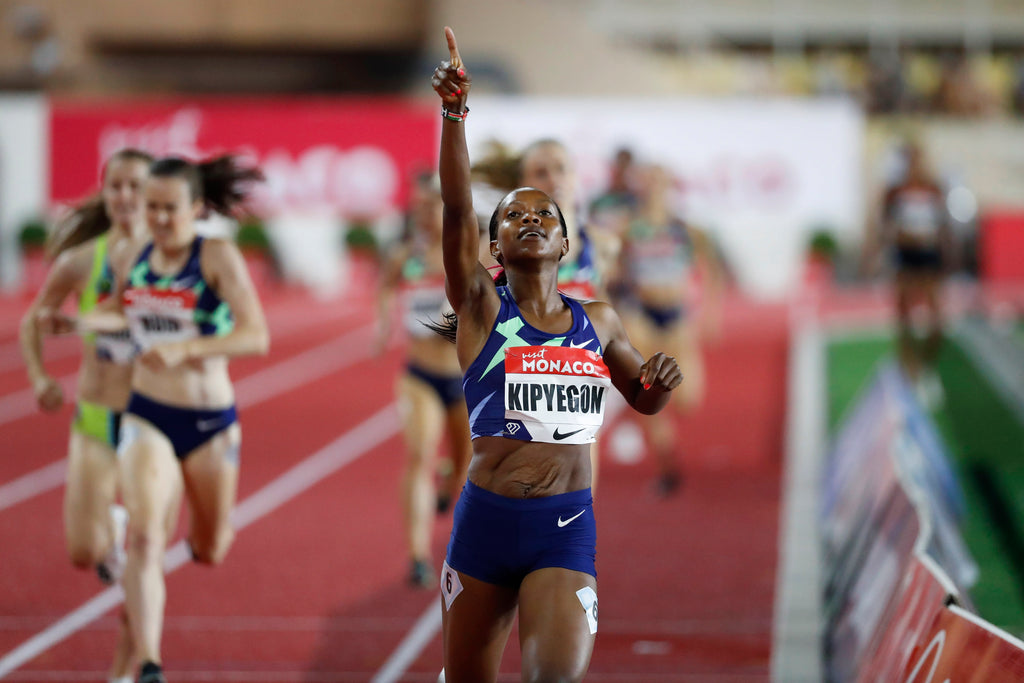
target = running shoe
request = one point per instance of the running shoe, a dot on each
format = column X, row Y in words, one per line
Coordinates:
column 421, row 575
column 112, row 566
column 668, row 483
column 151, row 673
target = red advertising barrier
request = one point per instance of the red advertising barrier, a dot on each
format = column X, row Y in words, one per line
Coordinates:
column 1002, row 247
column 891, row 545
column 948, row 644
column 350, row 157
column 966, row 649
column 917, row 606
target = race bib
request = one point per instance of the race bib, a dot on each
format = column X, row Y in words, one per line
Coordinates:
column 116, row 347
column 158, row 316
column 423, row 306
column 554, row 394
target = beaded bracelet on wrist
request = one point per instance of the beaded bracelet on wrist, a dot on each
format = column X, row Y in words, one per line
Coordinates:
column 457, row 116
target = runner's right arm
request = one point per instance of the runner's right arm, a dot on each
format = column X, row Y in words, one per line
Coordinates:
column 65, row 277
column 469, row 287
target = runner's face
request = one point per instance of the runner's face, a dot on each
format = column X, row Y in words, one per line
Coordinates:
column 549, row 169
column 171, row 212
column 123, row 184
column 529, row 227
column 427, row 214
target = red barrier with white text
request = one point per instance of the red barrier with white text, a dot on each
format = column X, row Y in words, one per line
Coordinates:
column 947, row 645
column 896, row 571
column 918, row 603
column 347, row 157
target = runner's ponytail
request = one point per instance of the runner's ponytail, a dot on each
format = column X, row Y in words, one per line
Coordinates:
column 222, row 183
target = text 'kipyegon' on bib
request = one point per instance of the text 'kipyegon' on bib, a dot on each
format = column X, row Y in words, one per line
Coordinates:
column 554, row 394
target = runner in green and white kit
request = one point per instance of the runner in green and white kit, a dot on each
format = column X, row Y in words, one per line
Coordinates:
column 83, row 243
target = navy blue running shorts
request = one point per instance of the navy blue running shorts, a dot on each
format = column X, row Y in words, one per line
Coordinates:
column 500, row 540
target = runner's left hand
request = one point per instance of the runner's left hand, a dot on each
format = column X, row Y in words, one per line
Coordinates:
column 660, row 372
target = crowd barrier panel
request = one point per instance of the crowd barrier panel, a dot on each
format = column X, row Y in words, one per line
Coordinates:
column 896, row 569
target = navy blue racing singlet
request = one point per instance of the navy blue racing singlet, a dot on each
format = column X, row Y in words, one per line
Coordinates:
column 536, row 386
column 169, row 308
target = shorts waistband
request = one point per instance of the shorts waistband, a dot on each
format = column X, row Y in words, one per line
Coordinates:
column 476, row 493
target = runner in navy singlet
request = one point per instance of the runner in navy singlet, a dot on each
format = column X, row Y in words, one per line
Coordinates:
column 538, row 368
column 190, row 306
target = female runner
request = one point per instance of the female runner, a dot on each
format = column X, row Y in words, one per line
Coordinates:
column 546, row 165
column 114, row 220
column 917, row 232
column 537, row 366
column 660, row 254
column 429, row 391
column 190, row 305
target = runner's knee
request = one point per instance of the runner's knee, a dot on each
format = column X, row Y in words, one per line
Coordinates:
column 147, row 543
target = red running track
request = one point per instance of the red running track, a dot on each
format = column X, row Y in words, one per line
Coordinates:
column 313, row 591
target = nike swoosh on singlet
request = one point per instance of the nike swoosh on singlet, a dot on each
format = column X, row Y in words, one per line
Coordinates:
column 561, row 523
column 559, row 436
column 572, row 344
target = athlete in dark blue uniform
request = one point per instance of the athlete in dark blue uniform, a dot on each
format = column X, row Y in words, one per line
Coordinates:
column 538, row 367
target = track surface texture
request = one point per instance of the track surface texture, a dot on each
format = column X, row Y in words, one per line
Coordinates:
column 314, row 588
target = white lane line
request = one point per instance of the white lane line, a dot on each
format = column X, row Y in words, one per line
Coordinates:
column 10, row 354
column 796, row 636
column 409, row 649
column 344, row 450
column 22, row 403
column 261, row 386
column 32, row 484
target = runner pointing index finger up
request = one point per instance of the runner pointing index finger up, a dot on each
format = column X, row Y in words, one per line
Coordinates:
column 453, row 48
column 524, row 533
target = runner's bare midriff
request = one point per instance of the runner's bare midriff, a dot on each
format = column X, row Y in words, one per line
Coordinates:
column 200, row 384
column 523, row 469
column 101, row 382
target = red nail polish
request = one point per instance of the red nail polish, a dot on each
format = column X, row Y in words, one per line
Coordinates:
column 459, row 91
column 462, row 72
column 647, row 386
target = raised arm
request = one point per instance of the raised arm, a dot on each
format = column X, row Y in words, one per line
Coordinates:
column 470, row 289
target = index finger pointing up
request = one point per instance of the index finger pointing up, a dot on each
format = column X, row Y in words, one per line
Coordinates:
column 453, row 47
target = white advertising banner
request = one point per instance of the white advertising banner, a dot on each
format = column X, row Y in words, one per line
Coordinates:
column 759, row 175
column 24, row 175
